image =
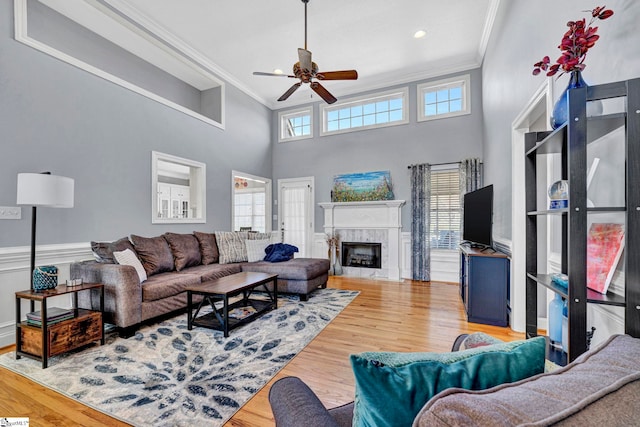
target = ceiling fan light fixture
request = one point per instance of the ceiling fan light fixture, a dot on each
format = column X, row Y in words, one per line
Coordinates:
column 419, row 34
column 307, row 71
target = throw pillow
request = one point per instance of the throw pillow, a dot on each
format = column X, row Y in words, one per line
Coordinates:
column 255, row 249
column 231, row 246
column 154, row 253
column 254, row 235
column 208, row 247
column 103, row 251
column 185, row 249
column 391, row 388
column 128, row 257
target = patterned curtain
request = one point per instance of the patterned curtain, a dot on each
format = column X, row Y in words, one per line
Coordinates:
column 420, row 205
column 470, row 180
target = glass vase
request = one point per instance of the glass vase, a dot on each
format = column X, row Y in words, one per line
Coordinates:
column 561, row 107
column 555, row 319
column 337, row 267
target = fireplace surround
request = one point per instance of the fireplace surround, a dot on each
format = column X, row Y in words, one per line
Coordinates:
column 368, row 222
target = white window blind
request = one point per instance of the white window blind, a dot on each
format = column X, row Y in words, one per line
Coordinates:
column 445, row 209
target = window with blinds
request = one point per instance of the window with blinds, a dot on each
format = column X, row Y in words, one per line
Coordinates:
column 445, row 212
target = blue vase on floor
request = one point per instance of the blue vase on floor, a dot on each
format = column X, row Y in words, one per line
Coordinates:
column 555, row 319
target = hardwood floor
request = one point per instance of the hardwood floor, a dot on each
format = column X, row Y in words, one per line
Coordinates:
column 386, row 316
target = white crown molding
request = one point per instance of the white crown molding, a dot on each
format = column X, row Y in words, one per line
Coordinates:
column 178, row 45
column 21, row 35
column 492, row 13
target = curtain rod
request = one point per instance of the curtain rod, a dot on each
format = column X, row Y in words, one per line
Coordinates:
column 438, row 164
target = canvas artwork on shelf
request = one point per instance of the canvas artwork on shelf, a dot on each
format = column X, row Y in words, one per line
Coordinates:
column 364, row 186
column 605, row 243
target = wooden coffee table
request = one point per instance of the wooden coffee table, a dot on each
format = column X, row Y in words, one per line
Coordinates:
column 225, row 288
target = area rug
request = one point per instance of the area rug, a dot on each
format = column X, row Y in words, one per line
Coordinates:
column 166, row 375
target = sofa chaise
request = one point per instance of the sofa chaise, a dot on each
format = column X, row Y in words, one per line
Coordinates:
column 136, row 293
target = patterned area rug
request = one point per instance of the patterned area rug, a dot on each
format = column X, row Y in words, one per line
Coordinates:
column 166, row 375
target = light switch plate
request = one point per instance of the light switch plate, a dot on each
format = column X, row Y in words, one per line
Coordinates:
column 10, row 212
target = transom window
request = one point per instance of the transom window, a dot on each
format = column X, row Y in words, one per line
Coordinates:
column 445, row 209
column 296, row 125
column 385, row 109
column 444, row 98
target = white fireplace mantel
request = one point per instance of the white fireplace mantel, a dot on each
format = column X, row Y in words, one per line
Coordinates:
column 374, row 215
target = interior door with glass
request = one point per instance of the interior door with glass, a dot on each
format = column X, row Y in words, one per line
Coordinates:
column 295, row 213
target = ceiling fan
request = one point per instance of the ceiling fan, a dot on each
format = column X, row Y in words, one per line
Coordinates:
column 307, row 71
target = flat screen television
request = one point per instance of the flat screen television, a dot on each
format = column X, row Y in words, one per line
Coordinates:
column 478, row 217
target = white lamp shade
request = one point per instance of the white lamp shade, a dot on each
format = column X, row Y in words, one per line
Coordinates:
column 39, row 189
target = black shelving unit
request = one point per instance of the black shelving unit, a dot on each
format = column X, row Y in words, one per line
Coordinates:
column 571, row 141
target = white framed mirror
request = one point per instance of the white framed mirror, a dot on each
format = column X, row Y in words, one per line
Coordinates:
column 250, row 202
column 178, row 188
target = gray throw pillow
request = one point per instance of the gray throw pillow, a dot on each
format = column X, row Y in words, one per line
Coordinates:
column 185, row 249
column 103, row 251
column 154, row 253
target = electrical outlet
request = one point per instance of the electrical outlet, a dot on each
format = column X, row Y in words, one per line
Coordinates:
column 10, row 212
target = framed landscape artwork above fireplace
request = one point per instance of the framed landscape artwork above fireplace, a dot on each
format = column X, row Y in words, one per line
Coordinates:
column 362, row 186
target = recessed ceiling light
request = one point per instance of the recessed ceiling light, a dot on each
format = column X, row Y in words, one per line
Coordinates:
column 277, row 71
column 419, row 34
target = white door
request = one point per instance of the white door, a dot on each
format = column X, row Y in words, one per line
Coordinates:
column 295, row 213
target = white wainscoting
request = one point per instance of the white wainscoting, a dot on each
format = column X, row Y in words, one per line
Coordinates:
column 14, row 277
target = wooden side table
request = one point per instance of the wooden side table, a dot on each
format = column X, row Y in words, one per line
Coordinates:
column 40, row 343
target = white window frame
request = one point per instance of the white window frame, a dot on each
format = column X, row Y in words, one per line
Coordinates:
column 449, row 168
column 463, row 81
column 268, row 192
column 197, row 189
column 362, row 100
column 283, row 120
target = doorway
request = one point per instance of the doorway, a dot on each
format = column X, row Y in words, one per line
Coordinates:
column 295, row 213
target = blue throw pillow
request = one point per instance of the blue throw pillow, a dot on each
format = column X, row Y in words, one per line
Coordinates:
column 391, row 388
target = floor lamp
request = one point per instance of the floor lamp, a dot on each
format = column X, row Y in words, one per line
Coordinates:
column 43, row 189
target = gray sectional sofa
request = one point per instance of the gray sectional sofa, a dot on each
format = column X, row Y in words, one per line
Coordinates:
column 600, row 388
column 173, row 261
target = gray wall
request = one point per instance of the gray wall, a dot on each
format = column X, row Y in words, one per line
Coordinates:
column 55, row 117
column 391, row 148
column 526, row 31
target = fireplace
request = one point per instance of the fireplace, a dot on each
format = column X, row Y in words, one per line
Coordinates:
column 361, row 254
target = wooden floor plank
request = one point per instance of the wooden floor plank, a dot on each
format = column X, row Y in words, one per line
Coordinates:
column 386, row 316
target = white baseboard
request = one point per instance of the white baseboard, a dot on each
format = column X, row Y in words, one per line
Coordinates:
column 15, row 276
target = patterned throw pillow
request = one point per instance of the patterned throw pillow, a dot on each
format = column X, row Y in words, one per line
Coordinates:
column 103, row 251
column 128, row 257
column 231, row 245
column 154, row 253
column 185, row 249
column 208, row 247
column 255, row 249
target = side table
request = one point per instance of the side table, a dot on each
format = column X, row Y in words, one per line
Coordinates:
column 40, row 343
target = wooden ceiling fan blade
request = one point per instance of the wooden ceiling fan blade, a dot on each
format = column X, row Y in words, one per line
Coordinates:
column 290, row 91
column 337, row 75
column 305, row 59
column 324, row 93
column 260, row 73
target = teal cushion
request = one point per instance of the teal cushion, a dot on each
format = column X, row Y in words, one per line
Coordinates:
column 391, row 388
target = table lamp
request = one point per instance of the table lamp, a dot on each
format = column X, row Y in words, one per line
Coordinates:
column 43, row 189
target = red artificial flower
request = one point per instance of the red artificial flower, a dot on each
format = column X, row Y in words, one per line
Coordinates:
column 574, row 46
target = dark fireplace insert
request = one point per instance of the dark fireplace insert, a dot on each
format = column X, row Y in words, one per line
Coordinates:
column 361, row 254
